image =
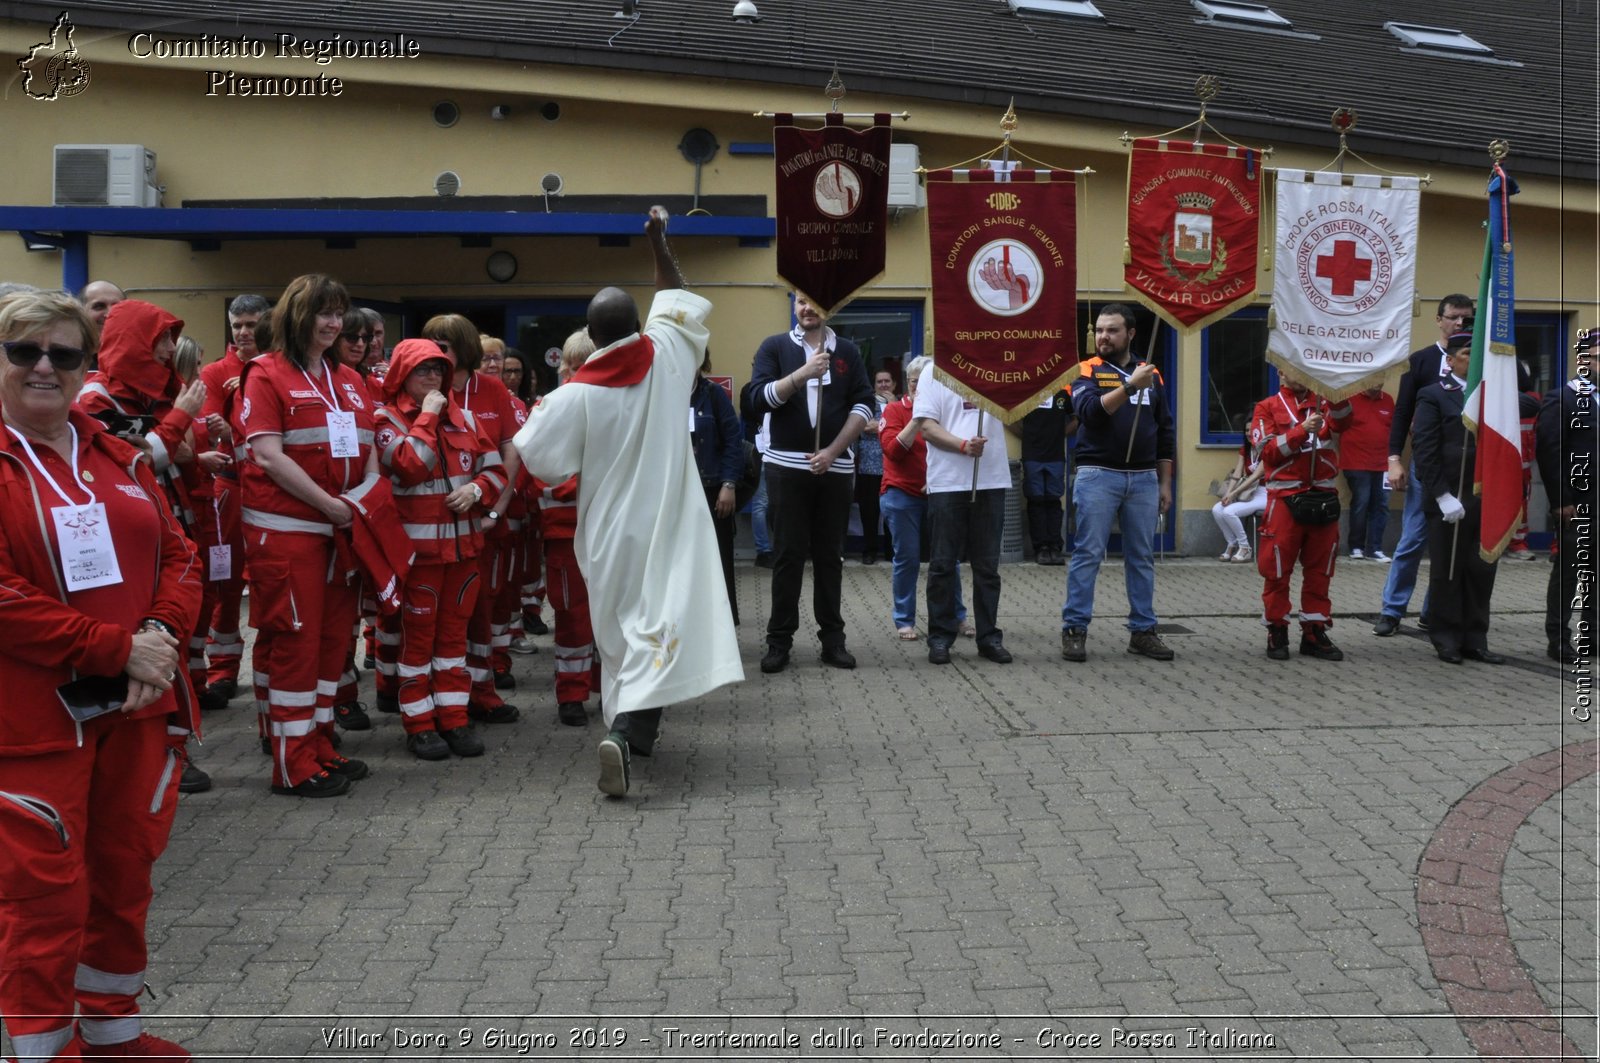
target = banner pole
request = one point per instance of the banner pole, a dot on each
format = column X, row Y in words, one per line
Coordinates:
column 1132, row 432
column 974, row 496
column 1461, row 486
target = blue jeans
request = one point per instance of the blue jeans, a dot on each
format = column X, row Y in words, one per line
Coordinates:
column 1369, row 509
column 903, row 512
column 1408, row 552
column 758, row 515
column 1134, row 500
column 970, row 522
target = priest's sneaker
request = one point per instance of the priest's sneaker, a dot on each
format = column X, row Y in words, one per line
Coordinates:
column 614, row 765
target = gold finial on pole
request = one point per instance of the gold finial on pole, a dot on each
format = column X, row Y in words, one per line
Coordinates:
column 1342, row 120
column 1008, row 121
column 834, row 90
column 1207, row 87
column 1499, row 149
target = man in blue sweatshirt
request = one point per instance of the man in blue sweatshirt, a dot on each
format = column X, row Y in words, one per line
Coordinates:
column 1126, row 444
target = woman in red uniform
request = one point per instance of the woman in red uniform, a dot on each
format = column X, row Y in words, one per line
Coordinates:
column 97, row 586
column 446, row 474
column 308, row 423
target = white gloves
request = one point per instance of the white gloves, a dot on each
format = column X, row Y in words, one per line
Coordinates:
column 1450, row 507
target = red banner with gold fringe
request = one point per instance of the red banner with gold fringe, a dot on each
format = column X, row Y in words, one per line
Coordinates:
column 1005, row 288
column 1194, row 227
column 833, row 206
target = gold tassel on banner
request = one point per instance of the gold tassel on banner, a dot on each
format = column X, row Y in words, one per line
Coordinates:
column 1272, row 318
column 1127, row 254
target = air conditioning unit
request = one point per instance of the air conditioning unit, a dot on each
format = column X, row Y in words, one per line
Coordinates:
column 905, row 190
column 105, row 175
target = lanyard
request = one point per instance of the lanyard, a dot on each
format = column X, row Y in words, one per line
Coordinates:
column 332, row 404
column 51, row 480
column 1316, row 438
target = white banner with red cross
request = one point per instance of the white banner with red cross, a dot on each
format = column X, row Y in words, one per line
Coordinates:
column 1344, row 278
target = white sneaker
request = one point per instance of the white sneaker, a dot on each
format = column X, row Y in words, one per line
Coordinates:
column 522, row 646
column 1379, row 555
column 1357, row 555
column 1227, row 553
column 1244, row 553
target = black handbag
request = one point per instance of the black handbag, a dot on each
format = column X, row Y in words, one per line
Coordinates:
column 749, row 478
column 1316, row 507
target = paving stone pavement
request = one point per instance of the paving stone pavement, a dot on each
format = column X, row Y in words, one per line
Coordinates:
column 1214, row 858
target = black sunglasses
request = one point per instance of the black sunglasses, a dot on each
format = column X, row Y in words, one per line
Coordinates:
column 25, row 354
column 355, row 337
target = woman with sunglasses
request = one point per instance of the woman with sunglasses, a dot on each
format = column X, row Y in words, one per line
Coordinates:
column 354, row 349
column 97, row 585
column 445, row 473
column 308, row 423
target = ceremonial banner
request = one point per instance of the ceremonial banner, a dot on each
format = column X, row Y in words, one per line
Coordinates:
column 1005, row 286
column 1194, row 220
column 833, row 206
column 1345, row 279
column 1491, row 405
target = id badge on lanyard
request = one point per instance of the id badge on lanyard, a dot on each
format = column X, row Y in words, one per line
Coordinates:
column 342, row 439
column 88, row 556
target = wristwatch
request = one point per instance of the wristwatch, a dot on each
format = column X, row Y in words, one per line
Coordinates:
column 1127, row 387
column 493, row 515
column 729, row 485
column 478, row 490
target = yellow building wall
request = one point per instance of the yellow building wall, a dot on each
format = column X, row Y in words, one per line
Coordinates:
column 617, row 134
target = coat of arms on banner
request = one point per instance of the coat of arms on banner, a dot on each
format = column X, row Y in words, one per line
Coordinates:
column 1193, row 222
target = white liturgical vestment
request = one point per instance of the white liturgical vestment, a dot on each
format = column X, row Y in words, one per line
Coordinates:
column 645, row 542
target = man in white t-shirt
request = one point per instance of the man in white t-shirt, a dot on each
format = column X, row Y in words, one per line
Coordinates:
column 968, row 474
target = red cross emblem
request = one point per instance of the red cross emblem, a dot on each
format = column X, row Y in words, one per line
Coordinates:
column 1344, row 267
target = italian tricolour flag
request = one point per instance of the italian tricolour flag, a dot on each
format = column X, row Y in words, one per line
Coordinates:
column 1491, row 406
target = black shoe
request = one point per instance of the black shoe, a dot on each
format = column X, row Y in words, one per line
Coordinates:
column 535, row 625
column 938, row 653
column 764, row 560
column 1148, row 644
column 387, row 703
column 193, row 780
column 211, row 699
column 1386, row 625
column 1074, row 644
column 352, row 716
column 1314, row 642
column 1562, row 653
column 869, row 559
column 463, row 742
column 505, row 681
column 501, row 713
column 995, row 652
column 1483, row 656
column 838, row 657
column 369, row 662
column 1422, row 622
column 427, row 745
column 322, row 784
column 1057, row 558
column 350, row 769
column 776, row 660
column 1278, row 642
column 572, row 714
column 1449, row 656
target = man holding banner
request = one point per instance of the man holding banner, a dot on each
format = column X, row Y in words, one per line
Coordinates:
column 813, row 383
column 1126, row 447
column 967, row 479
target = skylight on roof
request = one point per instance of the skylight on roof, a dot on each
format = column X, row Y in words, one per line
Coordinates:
column 1234, row 11
column 1437, row 38
column 1073, row 8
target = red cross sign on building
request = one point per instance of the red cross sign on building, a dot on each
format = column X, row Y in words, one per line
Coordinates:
column 1344, row 267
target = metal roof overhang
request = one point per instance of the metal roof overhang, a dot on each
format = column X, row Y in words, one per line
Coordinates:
column 69, row 228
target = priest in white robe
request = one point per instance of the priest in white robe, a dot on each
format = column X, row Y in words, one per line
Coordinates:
column 662, row 623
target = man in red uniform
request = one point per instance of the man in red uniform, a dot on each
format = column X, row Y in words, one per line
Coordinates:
column 1292, row 433
column 221, row 539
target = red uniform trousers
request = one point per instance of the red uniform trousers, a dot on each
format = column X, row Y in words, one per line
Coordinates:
column 80, row 830
column 219, row 615
column 533, row 581
column 1284, row 542
column 577, row 667
column 387, row 633
column 260, row 655
column 309, row 610
column 434, row 684
column 508, row 600
column 481, row 629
